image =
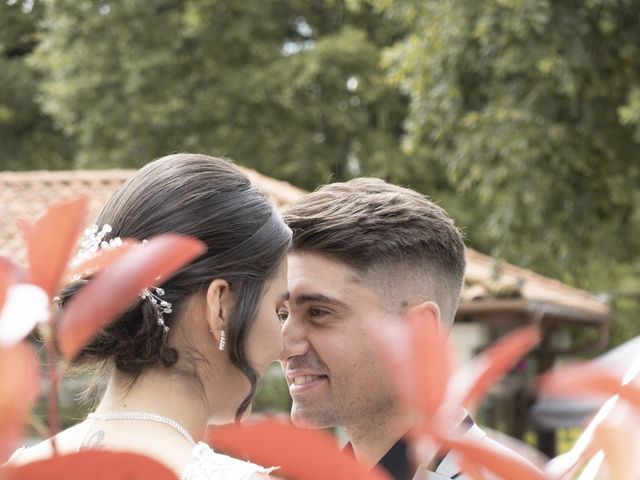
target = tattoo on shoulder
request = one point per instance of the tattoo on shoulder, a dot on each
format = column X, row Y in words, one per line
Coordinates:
column 94, row 442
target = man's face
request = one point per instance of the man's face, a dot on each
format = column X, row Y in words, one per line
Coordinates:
column 335, row 377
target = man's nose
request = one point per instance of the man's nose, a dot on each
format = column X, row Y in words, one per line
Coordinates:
column 294, row 339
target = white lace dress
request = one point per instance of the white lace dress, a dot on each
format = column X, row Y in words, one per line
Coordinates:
column 207, row 465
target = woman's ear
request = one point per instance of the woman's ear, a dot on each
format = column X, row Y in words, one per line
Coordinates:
column 219, row 304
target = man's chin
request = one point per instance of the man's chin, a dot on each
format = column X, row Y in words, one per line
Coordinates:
column 307, row 420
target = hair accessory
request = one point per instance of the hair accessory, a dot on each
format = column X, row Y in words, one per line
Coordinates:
column 223, row 340
column 94, row 241
column 161, row 306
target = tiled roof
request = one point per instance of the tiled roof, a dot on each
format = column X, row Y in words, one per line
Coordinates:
column 26, row 195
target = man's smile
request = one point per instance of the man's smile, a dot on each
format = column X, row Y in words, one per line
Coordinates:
column 301, row 381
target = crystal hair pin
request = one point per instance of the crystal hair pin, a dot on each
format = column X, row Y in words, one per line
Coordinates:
column 161, row 306
column 93, row 241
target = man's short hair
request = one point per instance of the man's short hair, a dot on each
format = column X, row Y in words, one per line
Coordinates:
column 392, row 235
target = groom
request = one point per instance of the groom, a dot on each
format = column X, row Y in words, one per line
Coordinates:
column 364, row 249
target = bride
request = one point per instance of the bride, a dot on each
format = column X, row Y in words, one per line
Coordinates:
column 191, row 351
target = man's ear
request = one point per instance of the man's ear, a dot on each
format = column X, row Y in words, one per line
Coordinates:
column 428, row 312
column 219, row 304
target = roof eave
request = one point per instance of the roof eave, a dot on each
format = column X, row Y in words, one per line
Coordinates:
column 531, row 309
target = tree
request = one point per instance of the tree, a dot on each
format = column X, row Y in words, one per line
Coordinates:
column 28, row 137
column 292, row 88
column 533, row 109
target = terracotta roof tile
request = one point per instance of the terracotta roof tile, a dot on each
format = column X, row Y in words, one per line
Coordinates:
column 26, row 195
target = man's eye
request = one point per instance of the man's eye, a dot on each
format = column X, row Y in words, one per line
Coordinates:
column 316, row 312
column 282, row 316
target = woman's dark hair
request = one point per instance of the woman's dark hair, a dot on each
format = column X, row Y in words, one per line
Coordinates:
column 209, row 199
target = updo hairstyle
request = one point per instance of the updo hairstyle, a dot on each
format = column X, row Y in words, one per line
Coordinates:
column 209, row 199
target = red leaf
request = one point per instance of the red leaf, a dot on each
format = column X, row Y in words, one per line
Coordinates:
column 472, row 381
column 101, row 260
column 617, row 435
column 589, row 379
column 504, row 464
column 51, row 241
column 301, row 454
column 94, row 465
column 418, row 357
column 432, row 358
column 583, row 450
column 117, row 287
column 19, row 383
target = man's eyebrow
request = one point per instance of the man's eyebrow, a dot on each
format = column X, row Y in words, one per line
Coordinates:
column 318, row 297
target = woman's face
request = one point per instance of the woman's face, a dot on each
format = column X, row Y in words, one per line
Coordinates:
column 263, row 346
column 265, row 339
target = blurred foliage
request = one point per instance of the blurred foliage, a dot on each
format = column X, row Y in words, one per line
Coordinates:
column 29, row 138
column 533, row 109
column 292, row 88
column 521, row 102
column 273, row 392
column 522, row 117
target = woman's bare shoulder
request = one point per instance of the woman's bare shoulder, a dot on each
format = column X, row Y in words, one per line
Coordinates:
column 34, row 453
column 67, row 441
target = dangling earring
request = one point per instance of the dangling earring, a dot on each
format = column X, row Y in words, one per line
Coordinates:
column 223, row 340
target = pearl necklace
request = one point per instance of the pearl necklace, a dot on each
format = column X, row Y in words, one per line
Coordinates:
column 149, row 417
